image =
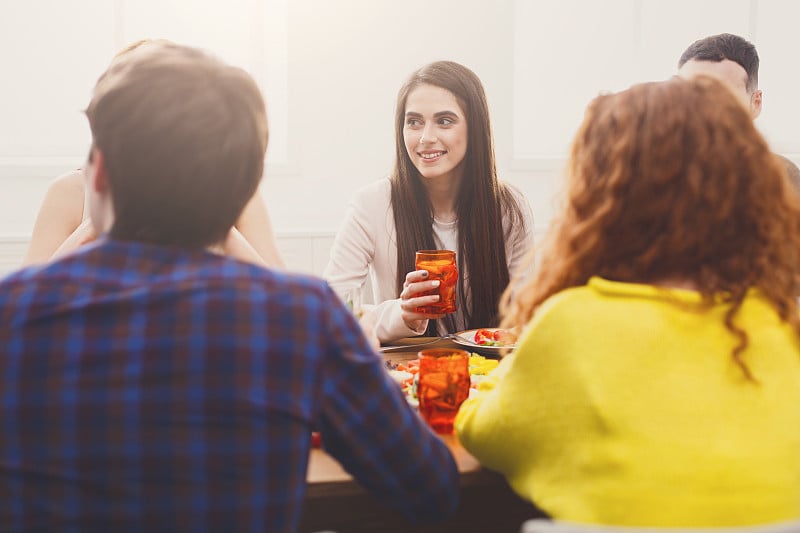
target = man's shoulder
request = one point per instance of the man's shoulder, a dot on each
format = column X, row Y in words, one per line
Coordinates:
column 29, row 275
column 219, row 285
column 114, row 266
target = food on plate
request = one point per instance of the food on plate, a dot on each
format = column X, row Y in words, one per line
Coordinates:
column 480, row 365
column 493, row 337
column 406, row 374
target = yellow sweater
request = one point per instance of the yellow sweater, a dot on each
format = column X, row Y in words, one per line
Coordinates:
column 623, row 405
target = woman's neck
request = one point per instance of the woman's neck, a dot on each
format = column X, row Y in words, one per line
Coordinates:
column 443, row 194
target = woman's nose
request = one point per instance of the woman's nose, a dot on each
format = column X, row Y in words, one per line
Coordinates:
column 427, row 136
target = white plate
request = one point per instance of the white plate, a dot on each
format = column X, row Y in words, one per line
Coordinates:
column 467, row 339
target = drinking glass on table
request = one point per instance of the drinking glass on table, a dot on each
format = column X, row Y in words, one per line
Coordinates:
column 443, row 386
column 352, row 299
column 441, row 265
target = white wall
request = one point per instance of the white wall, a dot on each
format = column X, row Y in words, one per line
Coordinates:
column 330, row 70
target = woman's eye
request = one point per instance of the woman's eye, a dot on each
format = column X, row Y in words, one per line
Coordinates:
column 413, row 122
column 445, row 121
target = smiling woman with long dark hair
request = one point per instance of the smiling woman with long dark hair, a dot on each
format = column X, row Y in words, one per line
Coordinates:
column 444, row 193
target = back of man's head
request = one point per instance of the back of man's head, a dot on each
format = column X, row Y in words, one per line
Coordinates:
column 183, row 137
column 726, row 46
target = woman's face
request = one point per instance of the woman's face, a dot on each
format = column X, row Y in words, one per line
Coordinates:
column 435, row 132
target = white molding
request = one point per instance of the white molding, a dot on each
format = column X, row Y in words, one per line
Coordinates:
column 304, row 234
column 38, row 166
column 12, row 250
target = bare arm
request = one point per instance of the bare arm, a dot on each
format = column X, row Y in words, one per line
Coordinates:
column 236, row 246
column 59, row 216
column 255, row 227
column 83, row 234
column 59, row 229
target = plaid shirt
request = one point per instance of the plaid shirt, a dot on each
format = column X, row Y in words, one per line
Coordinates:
column 150, row 387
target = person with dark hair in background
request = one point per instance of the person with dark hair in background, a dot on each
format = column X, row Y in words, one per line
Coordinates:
column 444, row 193
column 63, row 224
column 734, row 61
column 656, row 381
column 149, row 384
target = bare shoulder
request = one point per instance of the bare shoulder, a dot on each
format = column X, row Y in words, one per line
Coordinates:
column 255, row 234
column 67, row 190
column 72, row 179
column 60, row 214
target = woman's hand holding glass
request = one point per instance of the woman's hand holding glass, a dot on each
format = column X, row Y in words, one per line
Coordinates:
column 417, row 282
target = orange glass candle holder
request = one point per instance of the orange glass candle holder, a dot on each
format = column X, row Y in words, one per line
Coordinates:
column 441, row 265
column 443, row 386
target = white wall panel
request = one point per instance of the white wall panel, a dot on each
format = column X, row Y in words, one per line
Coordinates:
column 51, row 54
column 565, row 53
column 12, row 249
column 236, row 31
column 777, row 41
column 348, row 59
column 331, row 69
column 668, row 27
column 297, row 253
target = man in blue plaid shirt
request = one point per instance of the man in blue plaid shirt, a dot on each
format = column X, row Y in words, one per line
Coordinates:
column 148, row 383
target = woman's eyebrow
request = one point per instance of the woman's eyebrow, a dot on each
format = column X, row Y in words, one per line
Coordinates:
column 436, row 115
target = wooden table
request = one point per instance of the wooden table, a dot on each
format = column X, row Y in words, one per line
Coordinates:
column 335, row 502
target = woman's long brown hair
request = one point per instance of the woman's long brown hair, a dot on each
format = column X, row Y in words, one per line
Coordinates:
column 481, row 204
column 672, row 181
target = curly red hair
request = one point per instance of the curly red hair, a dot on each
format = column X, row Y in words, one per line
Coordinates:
column 672, row 181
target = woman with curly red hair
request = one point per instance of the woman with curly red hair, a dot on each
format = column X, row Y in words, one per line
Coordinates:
column 657, row 379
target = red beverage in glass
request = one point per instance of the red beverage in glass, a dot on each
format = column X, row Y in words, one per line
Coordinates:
column 441, row 265
column 443, row 386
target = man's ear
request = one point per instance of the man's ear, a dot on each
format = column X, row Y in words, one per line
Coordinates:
column 755, row 103
column 98, row 177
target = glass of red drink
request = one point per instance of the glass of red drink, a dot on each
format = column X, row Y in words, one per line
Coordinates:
column 443, row 386
column 441, row 265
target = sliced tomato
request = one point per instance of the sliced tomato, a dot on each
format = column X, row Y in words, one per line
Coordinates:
column 484, row 337
column 496, row 337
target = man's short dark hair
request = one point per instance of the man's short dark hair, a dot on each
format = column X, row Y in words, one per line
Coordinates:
column 183, row 136
column 726, row 46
